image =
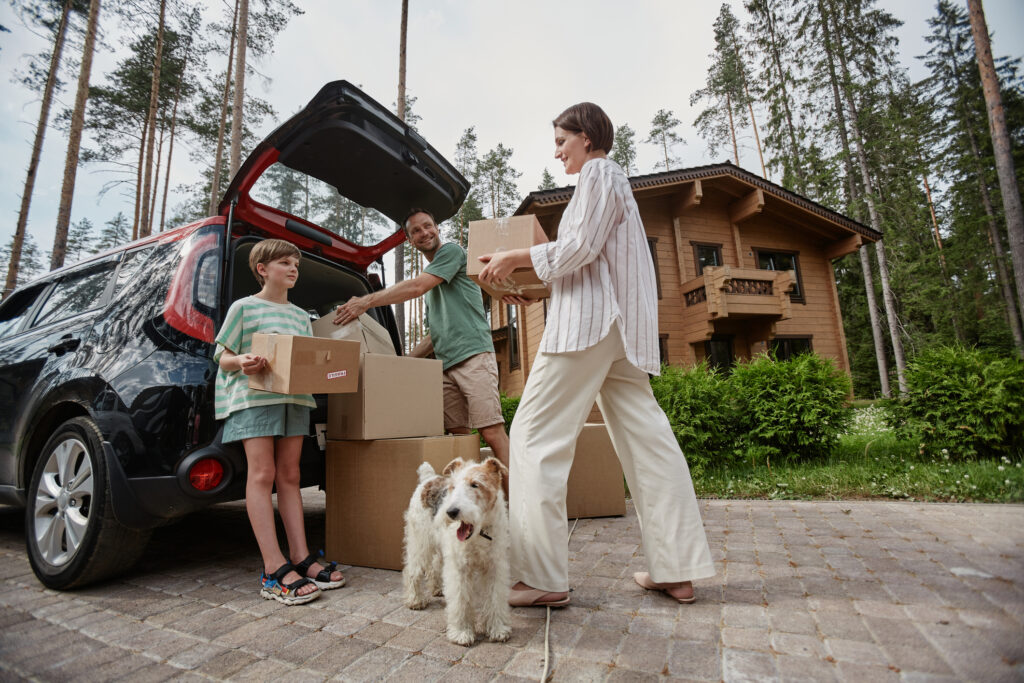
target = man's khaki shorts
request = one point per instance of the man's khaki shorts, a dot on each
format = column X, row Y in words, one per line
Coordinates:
column 471, row 393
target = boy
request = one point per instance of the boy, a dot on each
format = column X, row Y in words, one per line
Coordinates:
column 270, row 426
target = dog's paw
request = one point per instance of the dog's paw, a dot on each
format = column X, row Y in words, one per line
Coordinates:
column 499, row 635
column 464, row 637
column 417, row 604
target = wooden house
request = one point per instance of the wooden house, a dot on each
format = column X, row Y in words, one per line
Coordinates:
column 743, row 266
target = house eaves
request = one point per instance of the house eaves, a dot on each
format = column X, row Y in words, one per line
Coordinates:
column 562, row 195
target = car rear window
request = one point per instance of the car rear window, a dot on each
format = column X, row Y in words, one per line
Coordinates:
column 76, row 293
column 17, row 308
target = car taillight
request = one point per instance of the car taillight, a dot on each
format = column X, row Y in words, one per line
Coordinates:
column 206, row 474
column 181, row 305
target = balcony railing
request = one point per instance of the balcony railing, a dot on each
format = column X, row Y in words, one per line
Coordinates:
column 725, row 292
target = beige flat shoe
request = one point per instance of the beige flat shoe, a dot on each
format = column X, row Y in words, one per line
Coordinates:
column 644, row 580
column 533, row 597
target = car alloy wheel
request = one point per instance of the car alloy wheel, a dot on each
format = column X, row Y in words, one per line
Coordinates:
column 71, row 533
column 63, row 501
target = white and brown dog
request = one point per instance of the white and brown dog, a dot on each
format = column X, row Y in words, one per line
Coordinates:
column 456, row 534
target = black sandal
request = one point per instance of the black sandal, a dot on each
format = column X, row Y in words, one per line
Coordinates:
column 272, row 587
column 323, row 578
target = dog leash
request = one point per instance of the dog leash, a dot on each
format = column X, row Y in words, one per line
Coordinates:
column 547, row 625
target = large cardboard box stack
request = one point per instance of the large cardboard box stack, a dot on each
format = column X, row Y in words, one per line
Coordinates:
column 377, row 437
column 369, row 484
column 596, row 486
column 503, row 234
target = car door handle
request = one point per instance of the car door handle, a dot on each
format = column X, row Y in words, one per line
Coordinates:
column 64, row 345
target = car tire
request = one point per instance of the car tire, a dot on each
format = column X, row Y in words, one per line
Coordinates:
column 71, row 533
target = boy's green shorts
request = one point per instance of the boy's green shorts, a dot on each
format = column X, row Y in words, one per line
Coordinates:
column 279, row 419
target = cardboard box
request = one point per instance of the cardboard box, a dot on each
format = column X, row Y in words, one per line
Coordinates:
column 368, row 487
column 305, row 365
column 371, row 334
column 397, row 397
column 503, row 234
column 596, row 486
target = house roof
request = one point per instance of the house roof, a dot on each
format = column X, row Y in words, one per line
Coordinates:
column 561, row 195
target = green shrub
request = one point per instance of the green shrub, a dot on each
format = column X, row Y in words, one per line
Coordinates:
column 508, row 409
column 699, row 407
column 789, row 409
column 963, row 402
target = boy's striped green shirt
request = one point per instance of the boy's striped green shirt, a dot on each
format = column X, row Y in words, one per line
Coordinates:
column 246, row 317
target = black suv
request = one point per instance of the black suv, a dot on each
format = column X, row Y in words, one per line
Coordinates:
column 107, row 426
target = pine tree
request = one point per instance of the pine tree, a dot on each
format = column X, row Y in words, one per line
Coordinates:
column 771, row 33
column 79, row 239
column 547, row 181
column 663, row 133
column 623, row 149
column 1008, row 183
column 724, row 89
column 31, row 265
column 114, row 233
column 468, row 164
column 497, row 180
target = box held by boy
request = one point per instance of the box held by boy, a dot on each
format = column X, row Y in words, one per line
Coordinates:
column 371, row 334
column 595, row 479
column 503, row 234
column 305, row 365
column 368, row 486
column 397, row 397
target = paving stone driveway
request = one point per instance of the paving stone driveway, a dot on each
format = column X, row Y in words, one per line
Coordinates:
column 820, row 591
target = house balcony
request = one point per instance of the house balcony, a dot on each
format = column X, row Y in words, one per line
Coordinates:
column 724, row 293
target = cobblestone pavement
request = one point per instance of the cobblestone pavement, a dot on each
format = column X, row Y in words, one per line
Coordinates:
column 848, row 591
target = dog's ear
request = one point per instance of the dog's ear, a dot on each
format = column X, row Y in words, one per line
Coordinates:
column 453, row 466
column 496, row 466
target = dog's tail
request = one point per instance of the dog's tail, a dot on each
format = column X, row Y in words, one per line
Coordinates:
column 425, row 472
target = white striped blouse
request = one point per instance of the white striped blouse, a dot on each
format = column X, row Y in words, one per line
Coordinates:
column 600, row 270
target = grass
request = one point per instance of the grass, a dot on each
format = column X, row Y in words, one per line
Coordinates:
column 870, row 463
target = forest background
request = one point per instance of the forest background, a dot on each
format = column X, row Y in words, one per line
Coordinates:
column 874, row 109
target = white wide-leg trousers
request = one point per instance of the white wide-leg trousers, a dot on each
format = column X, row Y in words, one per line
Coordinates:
column 558, row 395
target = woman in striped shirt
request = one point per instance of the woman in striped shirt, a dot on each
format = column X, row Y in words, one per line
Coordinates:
column 600, row 342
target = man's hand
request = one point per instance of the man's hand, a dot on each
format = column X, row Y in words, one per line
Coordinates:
column 352, row 309
column 251, row 364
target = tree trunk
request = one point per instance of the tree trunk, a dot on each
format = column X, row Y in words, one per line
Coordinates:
column 958, row 329
column 146, row 219
column 138, row 179
column 238, row 106
column 219, row 154
column 1000, row 145
column 794, row 150
column 869, row 195
column 400, row 249
column 753, row 121
column 67, row 191
column 865, row 260
column 170, row 148
column 732, row 130
column 37, row 149
column 156, row 180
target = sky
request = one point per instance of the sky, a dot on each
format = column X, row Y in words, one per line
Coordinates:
column 505, row 67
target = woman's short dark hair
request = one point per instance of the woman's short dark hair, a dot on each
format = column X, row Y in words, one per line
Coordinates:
column 589, row 119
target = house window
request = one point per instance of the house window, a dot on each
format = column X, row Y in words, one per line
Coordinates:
column 783, row 260
column 513, row 338
column 718, row 353
column 784, row 348
column 652, row 244
column 487, row 308
column 706, row 255
column 663, row 348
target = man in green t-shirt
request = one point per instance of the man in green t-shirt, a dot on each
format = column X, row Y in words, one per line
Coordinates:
column 460, row 335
